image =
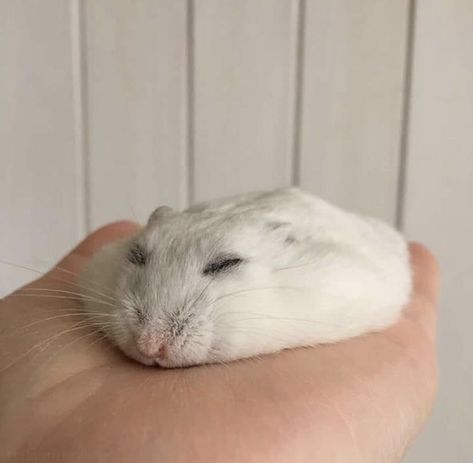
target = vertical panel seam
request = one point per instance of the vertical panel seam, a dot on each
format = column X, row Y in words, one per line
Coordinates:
column 190, row 74
column 81, row 152
column 406, row 110
column 298, row 90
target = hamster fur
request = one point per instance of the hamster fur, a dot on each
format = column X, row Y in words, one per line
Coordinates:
column 244, row 276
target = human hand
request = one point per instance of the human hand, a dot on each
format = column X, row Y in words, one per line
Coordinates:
column 66, row 395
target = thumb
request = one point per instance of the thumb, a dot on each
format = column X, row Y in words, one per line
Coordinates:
column 423, row 305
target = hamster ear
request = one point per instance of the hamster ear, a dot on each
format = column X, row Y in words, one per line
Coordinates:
column 281, row 231
column 160, row 213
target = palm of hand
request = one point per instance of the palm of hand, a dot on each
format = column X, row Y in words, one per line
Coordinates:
column 361, row 400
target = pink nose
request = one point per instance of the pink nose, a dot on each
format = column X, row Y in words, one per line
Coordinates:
column 153, row 351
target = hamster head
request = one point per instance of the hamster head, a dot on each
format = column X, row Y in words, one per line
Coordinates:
column 192, row 286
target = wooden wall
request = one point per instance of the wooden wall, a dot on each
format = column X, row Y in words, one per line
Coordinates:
column 109, row 108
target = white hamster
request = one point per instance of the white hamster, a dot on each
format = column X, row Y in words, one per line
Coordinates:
column 244, row 276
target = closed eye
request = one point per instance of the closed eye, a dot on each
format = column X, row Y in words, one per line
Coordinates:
column 222, row 264
column 137, row 255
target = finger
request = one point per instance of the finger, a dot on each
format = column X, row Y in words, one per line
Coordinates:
column 105, row 235
column 423, row 305
column 75, row 260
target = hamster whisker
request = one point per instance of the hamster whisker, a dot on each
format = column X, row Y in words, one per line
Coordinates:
column 258, row 333
column 263, row 316
column 199, row 297
column 23, row 267
column 93, row 290
column 290, row 267
column 60, row 291
column 47, row 341
column 69, row 298
column 89, row 281
column 97, row 314
column 37, row 322
column 99, row 325
column 49, row 296
column 100, row 337
column 265, row 288
column 55, row 290
column 64, row 280
column 65, row 346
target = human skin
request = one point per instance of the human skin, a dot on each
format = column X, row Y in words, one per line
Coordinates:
column 75, row 398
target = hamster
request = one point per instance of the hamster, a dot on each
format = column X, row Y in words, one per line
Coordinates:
column 244, row 276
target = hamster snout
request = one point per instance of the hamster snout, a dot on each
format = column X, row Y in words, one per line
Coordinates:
column 166, row 353
column 156, row 333
column 245, row 276
column 151, row 347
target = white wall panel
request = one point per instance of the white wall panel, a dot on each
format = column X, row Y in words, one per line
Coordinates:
column 40, row 176
column 244, row 61
column 135, row 106
column 352, row 102
column 439, row 209
column 111, row 107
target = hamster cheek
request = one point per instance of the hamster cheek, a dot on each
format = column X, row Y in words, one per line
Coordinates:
column 249, row 325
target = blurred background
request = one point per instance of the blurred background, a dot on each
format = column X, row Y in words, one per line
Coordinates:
column 109, row 108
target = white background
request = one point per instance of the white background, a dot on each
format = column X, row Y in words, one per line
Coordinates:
column 109, row 108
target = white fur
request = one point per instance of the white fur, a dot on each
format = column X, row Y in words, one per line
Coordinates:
column 312, row 274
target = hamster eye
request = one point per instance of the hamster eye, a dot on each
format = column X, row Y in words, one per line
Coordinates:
column 137, row 255
column 222, row 264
